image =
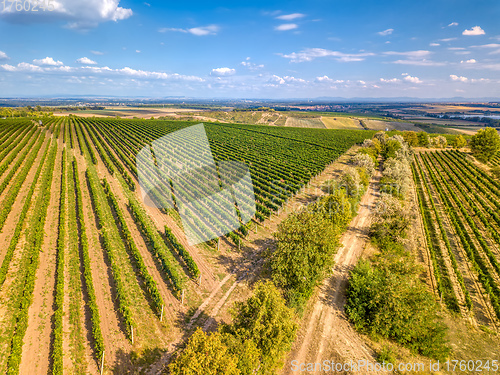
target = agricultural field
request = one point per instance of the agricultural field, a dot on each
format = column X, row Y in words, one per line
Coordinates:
column 91, row 278
column 341, row 122
column 459, row 204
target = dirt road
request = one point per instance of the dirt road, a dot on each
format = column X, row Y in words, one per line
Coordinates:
column 325, row 330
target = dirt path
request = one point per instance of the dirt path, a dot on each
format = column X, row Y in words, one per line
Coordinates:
column 37, row 340
column 327, row 325
column 247, row 263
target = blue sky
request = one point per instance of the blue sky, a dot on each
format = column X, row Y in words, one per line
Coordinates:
column 258, row 49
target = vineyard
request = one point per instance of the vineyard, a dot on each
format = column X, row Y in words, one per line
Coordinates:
column 459, row 203
column 93, row 279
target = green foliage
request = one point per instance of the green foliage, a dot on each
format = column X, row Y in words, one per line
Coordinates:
column 495, row 171
column 459, row 141
column 485, row 143
column 423, row 139
column 181, row 250
column 205, row 354
column 390, row 148
column 411, row 138
column 384, row 302
column 306, row 243
column 268, row 322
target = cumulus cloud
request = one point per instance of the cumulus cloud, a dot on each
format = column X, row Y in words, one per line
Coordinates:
column 250, row 65
column 458, row 78
column 86, row 61
column 79, row 14
column 286, row 27
column 471, row 61
column 386, row 32
column 290, row 17
column 285, row 80
column 453, row 24
column 3, row 56
column 106, row 71
column 476, row 30
column 325, row 78
column 392, row 80
column 411, row 79
column 310, row 54
column 198, row 31
column 47, row 61
column 22, row 67
column 222, row 72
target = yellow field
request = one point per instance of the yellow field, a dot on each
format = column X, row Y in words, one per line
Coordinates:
column 341, row 122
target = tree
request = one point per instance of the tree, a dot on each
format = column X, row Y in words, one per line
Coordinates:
column 423, row 139
column 485, row 143
column 205, row 354
column 306, row 243
column 380, row 136
column 364, row 161
column 390, row 148
column 459, row 141
column 266, row 320
column 411, row 138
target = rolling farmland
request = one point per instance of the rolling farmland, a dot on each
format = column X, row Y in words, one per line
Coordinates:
column 89, row 274
column 459, row 203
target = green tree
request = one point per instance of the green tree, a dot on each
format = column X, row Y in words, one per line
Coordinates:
column 205, row 354
column 411, row 138
column 306, row 243
column 390, row 148
column 485, row 143
column 423, row 139
column 266, row 320
column 459, row 141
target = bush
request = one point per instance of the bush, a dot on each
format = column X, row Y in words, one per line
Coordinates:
column 365, row 161
column 268, row 322
column 395, row 305
column 485, row 143
column 423, row 139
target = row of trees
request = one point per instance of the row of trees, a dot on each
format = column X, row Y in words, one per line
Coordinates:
column 385, row 296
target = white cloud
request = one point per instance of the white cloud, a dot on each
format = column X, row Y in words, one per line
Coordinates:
column 22, row 67
column 456, row 48
column 476, row 30
column 447, row 39
column 3, row 56
column 410, row 54
column 286, row 27
column 458, row 78
column 97, row 53
column 290, row 17
column 328, row 80
column 204, row 30
column 434, row 44
column 86, row 61
column 221, row 72
column 423, row 62
column 198, row 31
column 392, row 80
column 123, row 72
column 137, row 51
column 490, row 45
column 285, row 80
column 250, row 65
column 471, row 61
column 386, row 32
column 310, row 54
column 453, row 24
column 80, row 14
column 411, row 79
column 47, row 61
